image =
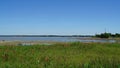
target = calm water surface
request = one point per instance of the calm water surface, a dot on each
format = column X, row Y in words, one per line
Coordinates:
column 55, row 39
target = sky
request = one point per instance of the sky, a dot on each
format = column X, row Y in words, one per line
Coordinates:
column 59, row 17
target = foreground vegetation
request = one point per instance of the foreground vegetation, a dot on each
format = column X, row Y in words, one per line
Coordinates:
column 62, row 55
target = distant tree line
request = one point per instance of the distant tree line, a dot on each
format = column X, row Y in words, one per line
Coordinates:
column 107, row 35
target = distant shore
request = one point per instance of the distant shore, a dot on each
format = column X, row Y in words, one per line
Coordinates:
column 46, row 35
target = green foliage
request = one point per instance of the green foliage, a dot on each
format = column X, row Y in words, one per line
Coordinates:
column 62, row 55
column 107, row 35
column 117, row 35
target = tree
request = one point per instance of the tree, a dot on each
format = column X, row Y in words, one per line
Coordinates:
column 117, row 35
column 104, row 35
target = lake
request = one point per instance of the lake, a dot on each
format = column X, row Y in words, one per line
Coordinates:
column 56, row 39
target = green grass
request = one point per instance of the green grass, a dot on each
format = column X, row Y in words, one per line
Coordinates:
column 61, row 55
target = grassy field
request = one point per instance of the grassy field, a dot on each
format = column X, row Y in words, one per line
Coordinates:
column 61, row 55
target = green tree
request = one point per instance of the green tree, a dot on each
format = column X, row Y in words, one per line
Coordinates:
column 104, row 35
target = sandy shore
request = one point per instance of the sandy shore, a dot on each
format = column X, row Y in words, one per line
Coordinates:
column 27, row 42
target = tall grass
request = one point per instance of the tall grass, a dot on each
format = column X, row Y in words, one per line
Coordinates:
column 62, row 55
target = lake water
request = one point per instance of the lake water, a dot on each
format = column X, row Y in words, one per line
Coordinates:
column 55, row 39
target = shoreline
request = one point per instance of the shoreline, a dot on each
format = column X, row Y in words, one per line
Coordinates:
column 39, row 42
column 28, row 42
column 25, row 43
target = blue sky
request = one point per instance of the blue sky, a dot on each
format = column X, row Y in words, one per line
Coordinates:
column 64, row 17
